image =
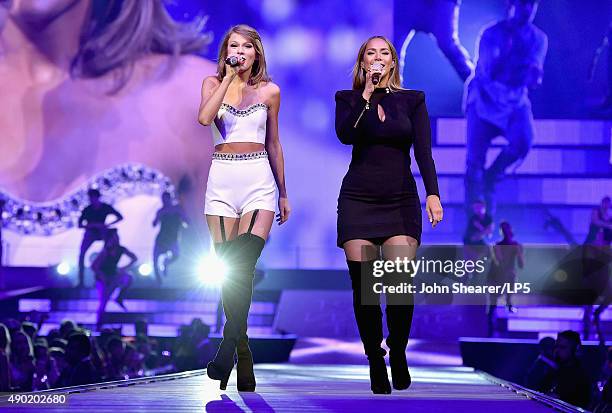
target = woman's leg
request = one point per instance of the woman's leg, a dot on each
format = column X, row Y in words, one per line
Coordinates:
column 222, row 231
column 157, row 256
column 360, row 256
column 88, row 239
column 124, row 282
column 254, row 228
column 399, row 309
column 104, row 293
column 172, row 255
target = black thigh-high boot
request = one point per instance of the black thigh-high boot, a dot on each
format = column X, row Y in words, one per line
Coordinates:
column 399, row 311
column 221, row 367
column 236, row 293
column 248, row 247
column 246, row 375
column 369, row 323
column 399, row 321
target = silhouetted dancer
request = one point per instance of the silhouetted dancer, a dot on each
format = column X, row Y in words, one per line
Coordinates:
column 93, row 219
column 479, row 226
column 109, row 275
column 507, row 254
column 510, row 61
column 597, row 256
column 171, row 218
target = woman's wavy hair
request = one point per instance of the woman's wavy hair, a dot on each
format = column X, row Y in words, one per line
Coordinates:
column 119, row 32
column 259, row 71
column 359, row 73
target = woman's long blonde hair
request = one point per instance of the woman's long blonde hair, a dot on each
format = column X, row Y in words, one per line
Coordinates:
column 359, row 73
column 259, row 71
column 117, row 33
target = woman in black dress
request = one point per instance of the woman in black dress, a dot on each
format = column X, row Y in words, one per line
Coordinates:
column 379, row 208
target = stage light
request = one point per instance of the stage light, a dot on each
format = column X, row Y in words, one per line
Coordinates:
column 315, row 115
column 341, row 45
column 277, row 10
column 63, row 268
column 297, row 45
column 145, row 269
column 212, row 270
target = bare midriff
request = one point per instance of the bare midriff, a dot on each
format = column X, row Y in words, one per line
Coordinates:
column 240, row 147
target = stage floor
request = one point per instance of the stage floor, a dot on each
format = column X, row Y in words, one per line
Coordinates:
column 304, row 388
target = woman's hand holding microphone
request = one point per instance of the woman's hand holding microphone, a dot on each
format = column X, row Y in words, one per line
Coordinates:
column 373, row 75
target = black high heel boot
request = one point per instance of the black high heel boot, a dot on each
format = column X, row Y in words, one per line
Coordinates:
column 369, row 323
column 379, row 380
column 399, row 310
column 245, row 378
column 246, row 249
column 400, row 374
column 218, row 369
column 221, row 367
column 241, row 254
column 399, row 321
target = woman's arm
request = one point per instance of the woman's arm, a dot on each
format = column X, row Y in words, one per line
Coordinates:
column 350, row 110
column 156, row 220
column 133, row 258
column 82, row 219
column 349, row 115
column 422, row 146
column 424, row 159
column 213, row 93
column 118, row 216
column 275, row 152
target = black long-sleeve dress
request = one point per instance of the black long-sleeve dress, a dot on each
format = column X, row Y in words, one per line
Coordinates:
column 378, row 198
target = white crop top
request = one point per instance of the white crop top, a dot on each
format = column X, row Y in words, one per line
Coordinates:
column 240, row 125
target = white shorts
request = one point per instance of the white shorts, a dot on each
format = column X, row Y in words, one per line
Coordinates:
column 239, row 183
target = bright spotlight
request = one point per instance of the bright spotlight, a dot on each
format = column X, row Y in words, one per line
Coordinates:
column 212, row 270
column 145, row 269
column 63, row 268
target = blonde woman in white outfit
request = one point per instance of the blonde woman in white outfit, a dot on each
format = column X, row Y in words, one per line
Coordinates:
column 241, row 105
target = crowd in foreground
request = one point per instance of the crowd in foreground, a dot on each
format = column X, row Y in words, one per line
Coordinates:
column 72, row 356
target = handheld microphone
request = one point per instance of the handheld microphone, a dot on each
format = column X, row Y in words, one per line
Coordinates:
column 376, row 70
column 234, row 60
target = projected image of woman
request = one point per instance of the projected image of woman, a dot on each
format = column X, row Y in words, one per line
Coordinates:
column 241, row 105
column 85, row 89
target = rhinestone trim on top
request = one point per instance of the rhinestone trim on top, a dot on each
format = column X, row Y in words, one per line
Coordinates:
column 239, row 156
column 244, row 112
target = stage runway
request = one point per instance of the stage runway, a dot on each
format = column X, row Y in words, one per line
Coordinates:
column 304, row 388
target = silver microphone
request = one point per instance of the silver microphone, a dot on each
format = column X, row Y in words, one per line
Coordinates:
column 234, row 60
column 376, row 69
